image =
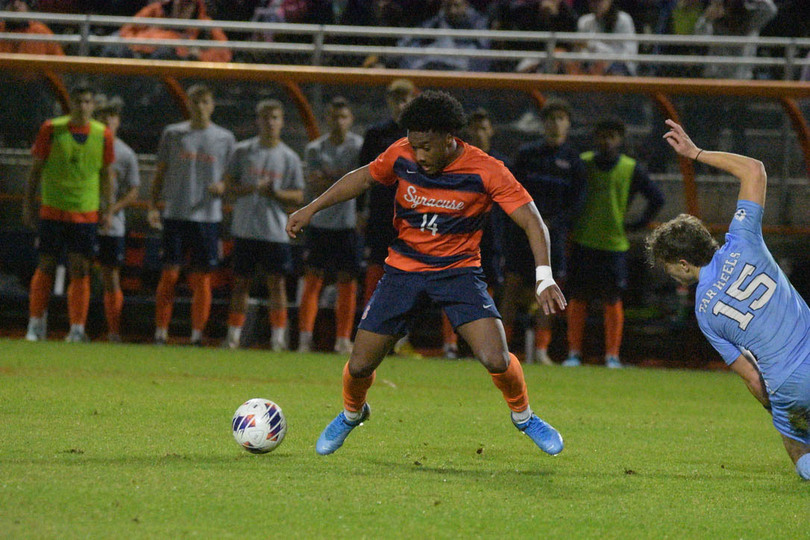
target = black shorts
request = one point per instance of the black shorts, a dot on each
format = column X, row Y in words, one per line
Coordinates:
column 251, row 255
column 59, row 237
column 111, row 250
column 597, row 274
column 332, row 250
column 460, row 292
column 196, row 240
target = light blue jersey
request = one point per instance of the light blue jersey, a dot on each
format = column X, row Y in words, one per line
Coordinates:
column 745, row 301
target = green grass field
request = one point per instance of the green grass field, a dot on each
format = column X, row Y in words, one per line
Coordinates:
column 133, row 441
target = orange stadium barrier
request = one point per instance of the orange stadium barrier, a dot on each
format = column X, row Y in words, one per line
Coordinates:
column 658, row 90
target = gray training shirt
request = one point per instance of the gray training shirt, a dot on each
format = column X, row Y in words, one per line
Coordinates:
column 195, row 159
column 334, row 162
column 127, row 176
column 256, row 216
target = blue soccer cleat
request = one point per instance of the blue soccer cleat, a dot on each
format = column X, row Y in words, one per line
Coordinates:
column 573, row 360
column 546, row 437
column 338, row 429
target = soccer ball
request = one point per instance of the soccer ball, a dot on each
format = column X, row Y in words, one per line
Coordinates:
column 259, row 426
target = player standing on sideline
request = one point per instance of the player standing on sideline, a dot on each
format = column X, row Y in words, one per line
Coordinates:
column 744, row 303
column 191, row 160
column 331, row 241
column 72, row 159
column 379, row 230
column 600, row 241
column 444, row 190
column 111, row 241
column 552, row 172
column 265, row 176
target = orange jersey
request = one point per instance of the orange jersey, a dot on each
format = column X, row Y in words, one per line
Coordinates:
column 440, row 219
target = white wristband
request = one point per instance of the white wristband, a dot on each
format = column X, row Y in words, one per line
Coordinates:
column 543, row 278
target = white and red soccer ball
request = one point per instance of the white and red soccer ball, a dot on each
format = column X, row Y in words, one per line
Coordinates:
column 259, row 425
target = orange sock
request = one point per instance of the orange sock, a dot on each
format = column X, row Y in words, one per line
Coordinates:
column 78, row 300
column 345, row 307
column 200, row 299
column 164, row 297
column 308, row 309
column 513, row 386
column 576, row 311
column 374, row 273
column 236, row 319
column 542, row 338
column 449, row 336
column 113, row 305
column 614, row 325
column 355, row 390
column 41, row 285
column 278, row 318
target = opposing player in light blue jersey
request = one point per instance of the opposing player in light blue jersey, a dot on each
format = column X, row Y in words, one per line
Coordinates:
column 744, row 303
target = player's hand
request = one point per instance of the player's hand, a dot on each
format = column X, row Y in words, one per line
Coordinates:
column 551, row 299
column 105, row 221
column 265, row 187
column 153, row 217
column 297, row 221
column 217, row 189
column 680, row 141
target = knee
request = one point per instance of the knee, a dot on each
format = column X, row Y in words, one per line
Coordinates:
column 359, row 369
column 496, row 360
column 803, row 467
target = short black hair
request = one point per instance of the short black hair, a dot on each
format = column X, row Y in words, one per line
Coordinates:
column 339, row 102
column 611, row 123
column 553, row 105
column 478, row 115
column 434, row 111
column 80, row 89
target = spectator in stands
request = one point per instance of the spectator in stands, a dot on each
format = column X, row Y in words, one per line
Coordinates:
column 266, row 178
column 606, row 18
column 331, row 240
column 554, row 175
column 26, row 27
column 380, row 13
column 599, row 251
column 289, row 11
column 455, row 14
column 72, row 162
column 24, row 105
column 743, row 18
column 680, row 17
column 111, row 239
column 173, row 9
column 533, row 16
column 191, row 161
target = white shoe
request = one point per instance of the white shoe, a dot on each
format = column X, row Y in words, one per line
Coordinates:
column 76, row 336
column 278, row 345
column 541, row 357
column 36, row 329
column 450, row 351
column 305, row 342
column 343, row 346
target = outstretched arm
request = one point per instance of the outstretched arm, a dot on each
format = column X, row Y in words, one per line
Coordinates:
column 548, row 293
column 348, row 187
column 750, row 171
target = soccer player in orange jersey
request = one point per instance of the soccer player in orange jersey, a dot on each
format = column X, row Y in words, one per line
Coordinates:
column 445, row 188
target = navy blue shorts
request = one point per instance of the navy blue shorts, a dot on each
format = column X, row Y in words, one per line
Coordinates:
column 111, row 250
column 332, row 250
column 250, row 255
column 460, row 292
column 597, row 274
column 199, row 241
column 520, row 259
column 59, row 237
